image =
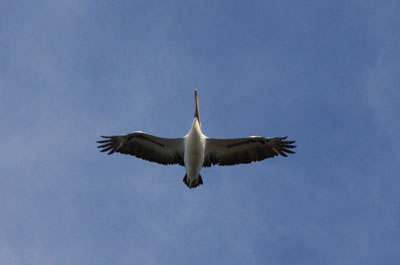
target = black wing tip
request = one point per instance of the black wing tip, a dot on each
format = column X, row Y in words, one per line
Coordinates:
column 106, row 145
column 105, row 148
column 110, row 149
column 285, row 146
column 105, row 141
column 286, row 150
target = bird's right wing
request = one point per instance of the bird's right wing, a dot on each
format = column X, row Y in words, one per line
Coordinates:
column 146, row 146
column 225, row 152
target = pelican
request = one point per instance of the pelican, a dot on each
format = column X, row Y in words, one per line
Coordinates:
column 195, row 150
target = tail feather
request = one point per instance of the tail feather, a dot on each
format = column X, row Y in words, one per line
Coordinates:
column 194, row 183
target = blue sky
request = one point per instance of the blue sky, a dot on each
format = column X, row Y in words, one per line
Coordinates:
column 325, row 73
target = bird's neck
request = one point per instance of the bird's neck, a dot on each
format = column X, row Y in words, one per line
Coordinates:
column 195, row 129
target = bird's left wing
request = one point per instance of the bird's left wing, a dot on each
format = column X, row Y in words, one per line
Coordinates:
column 225, row 152
column 145, row 146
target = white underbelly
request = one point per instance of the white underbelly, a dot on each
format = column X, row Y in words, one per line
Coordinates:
column 194, row 155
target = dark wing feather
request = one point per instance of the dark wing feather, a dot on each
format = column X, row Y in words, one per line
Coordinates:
column 145, row 146
column 234, row 151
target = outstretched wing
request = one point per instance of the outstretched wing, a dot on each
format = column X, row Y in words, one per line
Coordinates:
column 145, row 146
column 225, row 152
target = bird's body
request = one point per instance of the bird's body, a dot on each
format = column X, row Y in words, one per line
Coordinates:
column 195, row 150
column 195, row 145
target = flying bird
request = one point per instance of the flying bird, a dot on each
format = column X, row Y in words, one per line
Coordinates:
column 195, row 150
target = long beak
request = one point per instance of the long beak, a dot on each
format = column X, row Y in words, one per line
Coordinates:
column 196, row 103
